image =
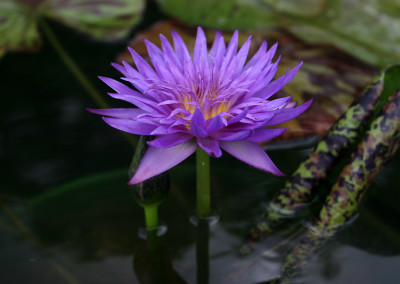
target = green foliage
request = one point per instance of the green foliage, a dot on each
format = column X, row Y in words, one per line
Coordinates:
column 369, row 30
column 101, row 20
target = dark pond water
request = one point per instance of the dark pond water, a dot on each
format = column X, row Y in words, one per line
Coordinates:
column 67, row 215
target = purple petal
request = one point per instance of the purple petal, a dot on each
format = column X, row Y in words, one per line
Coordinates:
column 210, row 146
column 180, row 48
column 256, row 57
column 216, row 123
column 169, row 54
column 242, row 55
column 239, row 117
column 198, row 131
column 120, row 68
column 252, row 154
column 170, row 140
column 232, row 47
column 217, row 50
column 288, row 114
column 278, row 84
column 158, row 160
column 144, row 104
column 118, row 86
column 198, row 118
column 130, row 126
column 200, row 47
column 143, row 67
column 265, row 134
column 233, row 135
column 130, row 113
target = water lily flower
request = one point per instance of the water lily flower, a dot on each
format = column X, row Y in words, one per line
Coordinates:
column 211, row 99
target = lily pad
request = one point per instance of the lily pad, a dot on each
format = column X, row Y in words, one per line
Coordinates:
column 369, row 30
column 331, row 77
column 101, row 20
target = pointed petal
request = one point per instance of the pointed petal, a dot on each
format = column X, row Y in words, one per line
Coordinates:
column 200, row 47
column 252, row 154
column 180, row 48
column 141, row 65
column 198, row 118
column 256, row 57
column 242, row 55
column 278, row 84
column 288, row 114
column 130, row 113
column 210, row 146
column 158, row 160
column 240, row 116
column 217, row 123
column 170, row 140
column 233, row 135
column 217, row 50
column 265, row 134
column 118, row 86
column 130, row 126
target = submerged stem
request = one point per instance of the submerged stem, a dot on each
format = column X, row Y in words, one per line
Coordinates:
column 151, row 216
column 203, row 183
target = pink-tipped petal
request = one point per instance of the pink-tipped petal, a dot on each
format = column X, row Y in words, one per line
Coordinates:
column 158, row 160
column 252, row 154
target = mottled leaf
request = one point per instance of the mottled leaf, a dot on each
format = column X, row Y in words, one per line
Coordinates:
column 329, row 76
column 18, row 26
column 104, row 20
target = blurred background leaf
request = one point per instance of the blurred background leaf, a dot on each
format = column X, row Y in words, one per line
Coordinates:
column 369, row 30
column 101, row 20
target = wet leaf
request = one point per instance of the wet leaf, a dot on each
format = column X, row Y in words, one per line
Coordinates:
column 329, row 76
column 369, row 30
column 101, row 20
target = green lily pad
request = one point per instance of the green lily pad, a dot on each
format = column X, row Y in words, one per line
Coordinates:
column 101, row 20
column 369, row 30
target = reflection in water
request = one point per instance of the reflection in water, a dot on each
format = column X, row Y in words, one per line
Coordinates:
column 202, row 251
column 152, row 263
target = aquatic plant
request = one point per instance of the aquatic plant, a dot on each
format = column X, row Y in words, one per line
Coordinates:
column 210, row 100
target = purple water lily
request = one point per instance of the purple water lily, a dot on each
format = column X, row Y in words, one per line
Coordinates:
column 212, row 100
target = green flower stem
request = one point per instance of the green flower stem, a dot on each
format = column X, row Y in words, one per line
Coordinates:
column 77, row 72
column 203, row 183
column 151, row 216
